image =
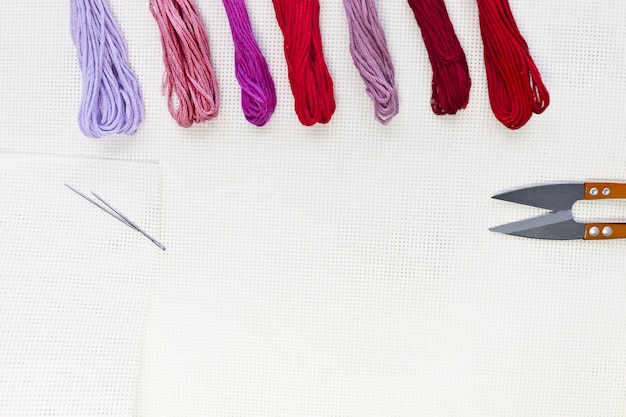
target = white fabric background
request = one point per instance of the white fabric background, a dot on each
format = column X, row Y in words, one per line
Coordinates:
column 74, row 284
column 347, row 269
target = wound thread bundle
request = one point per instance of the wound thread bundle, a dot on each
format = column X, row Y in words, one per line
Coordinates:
column 451, row 81
column 189, row 83
column 516, row 90
column 111, row 101
column 258, row 94
column 310, row 80
column 368, row 47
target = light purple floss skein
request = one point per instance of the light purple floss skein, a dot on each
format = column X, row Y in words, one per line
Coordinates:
column 368, row 47
column 112, row 102
column 258, row 94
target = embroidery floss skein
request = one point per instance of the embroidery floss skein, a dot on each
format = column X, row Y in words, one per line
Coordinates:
column 368, row 47
column 189, row 82
column 111, row 102
column 310, row 80
column 258, row 94
column 451, row 81
column 516, row 90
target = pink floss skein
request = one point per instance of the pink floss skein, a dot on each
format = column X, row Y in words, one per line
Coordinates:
column 189, row 77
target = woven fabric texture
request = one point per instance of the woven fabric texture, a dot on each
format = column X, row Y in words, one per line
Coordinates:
column 347, row 269
column 74, row 285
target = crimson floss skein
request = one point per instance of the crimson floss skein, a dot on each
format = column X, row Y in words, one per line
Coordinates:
column 516, row 90
column 310, row 80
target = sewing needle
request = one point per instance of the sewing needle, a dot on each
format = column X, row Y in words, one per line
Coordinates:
column 111, row 211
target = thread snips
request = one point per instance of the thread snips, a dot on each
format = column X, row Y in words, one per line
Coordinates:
column 559, row 224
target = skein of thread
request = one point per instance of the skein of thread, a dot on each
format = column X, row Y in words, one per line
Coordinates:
column 516, row 90
column 189, row 83
column 258, row 94
column 451, row 81
column 111, row 102
column 310, row 80
column 368, row 47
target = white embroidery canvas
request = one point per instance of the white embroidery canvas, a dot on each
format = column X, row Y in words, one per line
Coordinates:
column 74, row 285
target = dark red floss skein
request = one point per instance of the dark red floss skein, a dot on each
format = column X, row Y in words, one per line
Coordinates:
column 516, row 90
column 310, row 80
column 451, row 80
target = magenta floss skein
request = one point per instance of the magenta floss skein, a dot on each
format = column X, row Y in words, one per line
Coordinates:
column 258, row 94
column 112, row 102
column 368, row 47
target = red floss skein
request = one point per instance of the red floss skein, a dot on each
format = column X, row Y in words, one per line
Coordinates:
column 515, row 87
column 451, row 80
column 189, row 77
column 310, row 80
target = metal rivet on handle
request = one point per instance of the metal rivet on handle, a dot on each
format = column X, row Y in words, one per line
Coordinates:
column 594, row 231
column 607, row 231
column 606, row 192
column 593, row 192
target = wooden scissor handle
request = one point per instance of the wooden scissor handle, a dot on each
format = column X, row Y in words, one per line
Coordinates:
column 604, row 231
column 603, row 190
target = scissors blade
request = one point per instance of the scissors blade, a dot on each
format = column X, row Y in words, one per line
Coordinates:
column 559, row 225
column 555, row 197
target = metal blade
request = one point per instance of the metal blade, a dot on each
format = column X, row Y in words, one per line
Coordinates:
column 558, row 225
column 555, row 197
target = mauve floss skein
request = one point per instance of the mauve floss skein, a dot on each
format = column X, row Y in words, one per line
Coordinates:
column 258, row 94
column 111, row 102
column 368, row 47
column 190, row 83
